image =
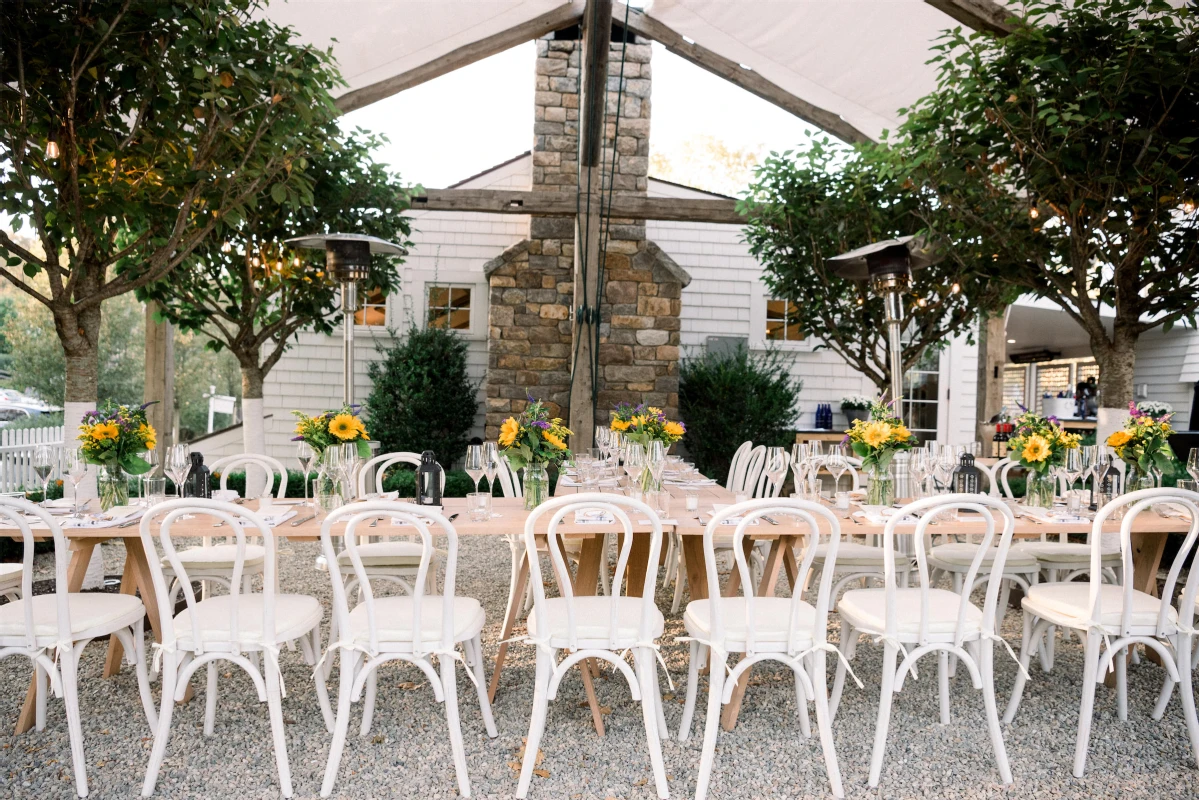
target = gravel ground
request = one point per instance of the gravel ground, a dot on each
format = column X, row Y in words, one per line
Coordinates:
column 408, row 753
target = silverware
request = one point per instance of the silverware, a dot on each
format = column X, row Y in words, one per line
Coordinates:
column 129, row 523
column 296, row 522
column 452, row 517
column 768, row 519
column 374, row 522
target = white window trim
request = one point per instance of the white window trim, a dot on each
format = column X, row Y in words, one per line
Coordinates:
column 421, row 280
column 757, row 326
column 388, row 316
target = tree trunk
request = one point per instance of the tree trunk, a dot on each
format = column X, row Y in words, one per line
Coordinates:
column 1117, row 361
column 79, row 335
column 252, row 426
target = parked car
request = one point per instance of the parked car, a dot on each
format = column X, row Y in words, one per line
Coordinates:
column 11, row 413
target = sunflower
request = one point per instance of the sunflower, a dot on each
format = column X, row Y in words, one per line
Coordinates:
column 876, row 433
column 638, row 421
column 358, row 426
column 1036, row 449
column 508, row 431
column 105, row 430
column 554, row 440
column 619, row 425
column 344, row 427
column 1119, row 439
column 902, row 433
column 674, row 429
column 148, row 435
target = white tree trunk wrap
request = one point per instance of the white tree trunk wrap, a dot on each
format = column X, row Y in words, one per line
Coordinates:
column 254, row 440
column 1108, row 421
column 72, row 418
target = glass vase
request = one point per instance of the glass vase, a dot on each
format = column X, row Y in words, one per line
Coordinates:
column 112, row 484
column 880, row 486
column 1038, row 491
column 1138, row 480
column 536, row 485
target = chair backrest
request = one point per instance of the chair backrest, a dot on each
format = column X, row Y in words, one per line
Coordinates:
column 561, row 511
column 420, row 519
column 509, row 480
column 381, row 463
column 1005, row 466
column 990, row 509
column 1135, row 504
column 749, row 470
column 13, row 510
column 768, row 488
column 238, row 522
column 267, row 464
column 738, row 456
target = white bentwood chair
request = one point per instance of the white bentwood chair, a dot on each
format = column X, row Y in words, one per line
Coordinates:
column 603, row 627
column 65, row 622
column 227, row 627
column 412, row 628
column 787, row 630
column 1106, row 612
column 921, row 620
column 738, row 464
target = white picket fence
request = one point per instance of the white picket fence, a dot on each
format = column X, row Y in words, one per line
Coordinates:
column 16, row 456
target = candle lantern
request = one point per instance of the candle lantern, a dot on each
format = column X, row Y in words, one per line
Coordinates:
column 967, row 478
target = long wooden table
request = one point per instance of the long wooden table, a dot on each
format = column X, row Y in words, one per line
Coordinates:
column 1148, row 543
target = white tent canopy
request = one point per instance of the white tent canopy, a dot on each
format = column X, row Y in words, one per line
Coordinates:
column 849, row 65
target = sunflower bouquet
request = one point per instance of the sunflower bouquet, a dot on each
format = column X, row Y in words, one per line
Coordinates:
column 644, row 424
column 1143, row 444
column 531, row 442
column 878, row 439
column 332, row 428
column 114, row 437
column 1040, row 445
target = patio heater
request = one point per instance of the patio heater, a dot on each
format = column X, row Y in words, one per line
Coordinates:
column 348, row 260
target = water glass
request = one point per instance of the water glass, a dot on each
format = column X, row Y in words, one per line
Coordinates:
column 691, row 499
column 1073, row 502
column 659, row 501
column 154, row 491
column 478, row 504
column 1189, row 486
column 842, row 500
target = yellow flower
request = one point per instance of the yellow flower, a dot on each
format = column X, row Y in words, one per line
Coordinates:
column 1119, row 439
column 655, row 411
column 1035, row 449
column 901, row 432
column 876, row 433
column 358, row 426
column 638, row 421
column 105, row 430
column 554, row 440
column 508, row 431
column 619, row 425
column 149, row 435
column 673, row 429
column 343, row 427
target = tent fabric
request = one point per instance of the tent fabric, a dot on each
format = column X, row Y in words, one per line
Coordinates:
column 860, row 59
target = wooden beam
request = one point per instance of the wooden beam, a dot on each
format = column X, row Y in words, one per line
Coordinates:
column 747, row 79
column 565, row 204
column 981, row 15
column 560, row 17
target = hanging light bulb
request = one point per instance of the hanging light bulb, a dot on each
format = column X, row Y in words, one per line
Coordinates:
column 1033, row 213
column 1188, row 207
column 278, row 265
column 52, row 150
column 920, row 301
column 227, row 247
column 296, row 261
column 256, row 262
column 957, row 287
column 860, row 301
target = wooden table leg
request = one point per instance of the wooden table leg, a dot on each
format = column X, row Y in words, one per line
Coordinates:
column 1147, row 549
column 81, row 555
column 770, row 573
column 515, row 601
column 112, row 661
column 697, row 571
column 637, row 567
column 734, row 585
column 591, row 561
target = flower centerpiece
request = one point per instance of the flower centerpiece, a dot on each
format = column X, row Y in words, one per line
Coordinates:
column 113, row 438
column 326, row 430
column 645, row 424
column 1143, row 444
column 533, row 441
column 876, row 441
column 1039, row 444
column 855, row 407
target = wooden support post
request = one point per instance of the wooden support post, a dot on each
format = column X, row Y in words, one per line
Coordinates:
column 160, row 377
column 992, row 353
column 597, row 36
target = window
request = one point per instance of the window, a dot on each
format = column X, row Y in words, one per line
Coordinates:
column 921, row 391
column 782, row 321
column 1015, row 388
column 449, row 307
column 1052, row 379
column 372, row 309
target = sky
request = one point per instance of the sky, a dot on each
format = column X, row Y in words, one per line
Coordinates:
column 471, row 119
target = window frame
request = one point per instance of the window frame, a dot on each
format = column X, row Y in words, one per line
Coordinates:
column 757, row 325
column 416, row 298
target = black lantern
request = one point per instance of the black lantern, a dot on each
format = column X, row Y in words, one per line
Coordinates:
column 967, row 478
column 428, row 480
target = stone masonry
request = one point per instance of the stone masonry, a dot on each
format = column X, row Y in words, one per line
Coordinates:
column 531, row 283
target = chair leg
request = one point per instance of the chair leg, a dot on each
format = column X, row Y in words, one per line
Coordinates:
column 349, row 665
column 659, row 713
column 39, row 708
column 987, row 672
column 689, row 699
column 475, row 651
column 650, row 699
column 1026, row 645
column 848, row 634
column 1090, row 675
column 679, row 580
column 536, row 720
column 711, row 728
column 1186, row 691
column 1005, row 593
column 274, row 705
column 138, row 651
column 824, row 724
column 310, row 645
column 801, row 708
column 605, row 579
column 68, row 674
column 210, row 699
column 368, row 704
column 170, row 671
column 943, row 684
column 1120, row 659
column 449, row 685
column 885, row 699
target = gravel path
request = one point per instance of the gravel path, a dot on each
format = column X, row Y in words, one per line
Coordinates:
column 407, row 753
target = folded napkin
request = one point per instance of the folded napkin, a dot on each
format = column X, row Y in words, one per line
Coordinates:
column 117, row 515
column 435, row 509
column 225, row 495
column 1044, row 516
column 277, row 518
column 594, row 516
column 1172, row 510
column 564, row 481
column 878, row 515
column 717, row 510
column 704, row 482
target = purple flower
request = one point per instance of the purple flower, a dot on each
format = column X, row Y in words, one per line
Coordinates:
column 1052, row 419
column 545, row 426
column 297, row 438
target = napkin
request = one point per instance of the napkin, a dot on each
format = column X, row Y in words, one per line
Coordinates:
column 565, row 481
column 277, row 518
column 1044, row 516
column 594, row 516
column 717, row 508
column 1172, row 510
column 225, row 495
column 704, row 482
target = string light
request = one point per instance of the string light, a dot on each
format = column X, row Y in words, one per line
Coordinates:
column 1033, row 213
column 52, row 150
column 256, row 262
column 861, row 301
column 296, row 261
column 1188, row 207
column 278, row 265
column 955, row 288
column 921, row 302
column 227, row 247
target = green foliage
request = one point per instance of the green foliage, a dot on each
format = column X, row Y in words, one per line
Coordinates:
column 815, row 202
column 422, row 398
column 727, row 399
column 52, row 420
column 197, row 367
column 8, row 313
column 1069, row 147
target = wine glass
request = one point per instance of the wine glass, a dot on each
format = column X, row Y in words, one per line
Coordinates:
column 799, row 465
column 491, row 463
column 943, row 467
column 836, row 463
column 815, row 462
column 775, row 469
column 349, row 470
column 305, row 455
column 75, row 468
column 43, row 465
column 476, row 464
column 655, row 461
column 601, row 438
column 1071, row 468
column 178, row 464
column 1193, row 463
column 634, row 461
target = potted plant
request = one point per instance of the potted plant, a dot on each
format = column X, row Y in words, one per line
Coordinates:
column 644, row 424
column 855, row 407
column 112, row 438
column 1143, row 444
column 533, row 441
column 1152, row 408
column 876, row 441
column 1039, row 445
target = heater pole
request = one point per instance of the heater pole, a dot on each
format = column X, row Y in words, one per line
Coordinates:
column 347, row 321
column 894, row 305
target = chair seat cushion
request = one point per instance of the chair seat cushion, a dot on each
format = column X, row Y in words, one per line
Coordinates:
column 962, row 554
column 854, row 554
column 1065, row 552
column 394, row 618
column 866, row 610
column 220, row 556
column 770, row 621
column 295, row 615
column 1070, row 604
column 592, row 620
column 393, row 553
column 10, row 574
column 97, row 613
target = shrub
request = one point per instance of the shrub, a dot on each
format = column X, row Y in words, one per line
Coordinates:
column 728, row 398
column 422, row 397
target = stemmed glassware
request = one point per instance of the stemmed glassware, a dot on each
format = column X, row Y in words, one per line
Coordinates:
column 476, row 466
column 634, row 462
column 1193, row 464
column 491, row 464
column 775, row 469
column 349, row 470
column 946, row 460
column 799, row 466
column 305, row 455
column 151, row 458
column 655, row 461
column 837, row 464
column 75, row 468
column 43, row 466
column 815, row 462
column 178, row 464
column 1071, row 469
column 331, row 471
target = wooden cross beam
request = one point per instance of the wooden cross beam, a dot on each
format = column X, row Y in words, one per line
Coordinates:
column 566, row 204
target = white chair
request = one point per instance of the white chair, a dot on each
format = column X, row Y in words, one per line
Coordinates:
column 65, row 623
column 595, row 627
column 739, row 455
column 10, row 581
column 749, row 469
column 787, row 630
column 921, row 620
column 227, row 627
column 379, row 466
column 270, row 466
column 1115, row 617
column 412, row 628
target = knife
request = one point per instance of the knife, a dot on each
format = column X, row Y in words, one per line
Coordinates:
column 296, row 522
column 768, row 519
column 451, row 517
